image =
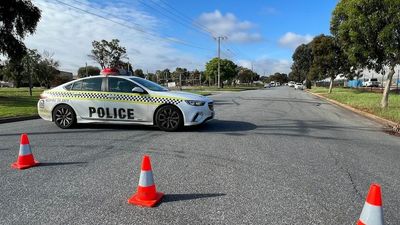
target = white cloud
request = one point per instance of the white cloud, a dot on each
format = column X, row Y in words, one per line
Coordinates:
column 228, row 25
column 292, row 40
column 68, row 34
column 267, row 66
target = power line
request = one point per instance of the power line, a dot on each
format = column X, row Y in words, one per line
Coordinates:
column 185, row 17
column 174, row 40
column 189, row 20
column 160, row 9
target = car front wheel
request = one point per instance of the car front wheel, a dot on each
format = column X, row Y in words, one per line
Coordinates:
column 64, row 116
column 169, row 118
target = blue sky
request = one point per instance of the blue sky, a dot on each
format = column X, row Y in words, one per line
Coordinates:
column 260, row 33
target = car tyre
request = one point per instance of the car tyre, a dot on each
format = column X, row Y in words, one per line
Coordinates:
column 64, row 116
column 169, row 118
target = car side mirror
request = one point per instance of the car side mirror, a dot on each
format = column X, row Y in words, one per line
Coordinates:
column 137, row 90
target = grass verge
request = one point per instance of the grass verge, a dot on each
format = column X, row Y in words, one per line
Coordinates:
column 17, row 102
column 365, row 101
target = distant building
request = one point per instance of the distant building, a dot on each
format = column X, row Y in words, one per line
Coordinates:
column 65, row 74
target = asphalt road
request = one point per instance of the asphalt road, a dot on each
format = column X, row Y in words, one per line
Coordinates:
column 273, row 156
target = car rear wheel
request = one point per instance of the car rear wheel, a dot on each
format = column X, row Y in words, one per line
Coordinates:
column 64, row 116
column 169, row 118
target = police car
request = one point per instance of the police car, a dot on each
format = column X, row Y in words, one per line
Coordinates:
column 114, row 98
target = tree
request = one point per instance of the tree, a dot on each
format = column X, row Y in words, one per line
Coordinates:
column 12, row 71
column 108, row 54
column 18, row 19
column 227, row 68
column 369, row 32
column 139, row 73
column 328, row 58
column 277, row 77
column 29, row 64
column 180, row 74
column 47, row 70
column 85, row 71
column 245, row 75
column 195, row 76
column 152, row 77
column 302, row 60
column 23, row 70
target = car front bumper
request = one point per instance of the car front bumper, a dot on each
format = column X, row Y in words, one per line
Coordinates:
column 195, row 115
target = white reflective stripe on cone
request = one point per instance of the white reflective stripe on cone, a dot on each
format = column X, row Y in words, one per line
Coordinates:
column 25, row 150
column 146, row 178
column 372, row 215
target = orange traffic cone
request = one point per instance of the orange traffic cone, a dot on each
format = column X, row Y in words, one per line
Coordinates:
column 146, row 194
column 25, row 157
column 372, row 213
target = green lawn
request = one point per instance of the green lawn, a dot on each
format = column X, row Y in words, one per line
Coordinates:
column 17, row 102
column 365, row 101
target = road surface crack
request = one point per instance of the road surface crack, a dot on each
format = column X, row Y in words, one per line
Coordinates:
column 339, row 165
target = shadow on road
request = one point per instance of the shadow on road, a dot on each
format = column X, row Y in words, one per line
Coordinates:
column 210, row 126
column 221, row 126
column 185, row 197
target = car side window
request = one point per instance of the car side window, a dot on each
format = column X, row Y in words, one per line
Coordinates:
column 77, row 86
column 92, row 84
column 120, row 85
column 68, row 87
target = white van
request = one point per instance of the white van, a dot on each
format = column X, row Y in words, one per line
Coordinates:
column 373, row 82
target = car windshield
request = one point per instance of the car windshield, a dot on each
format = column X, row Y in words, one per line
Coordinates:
column 149, row 84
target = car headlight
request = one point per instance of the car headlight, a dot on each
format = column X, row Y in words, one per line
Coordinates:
column 195, row 103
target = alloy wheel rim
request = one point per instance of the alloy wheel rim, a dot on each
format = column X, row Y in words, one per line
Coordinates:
column 63, row 116
column 168, row 118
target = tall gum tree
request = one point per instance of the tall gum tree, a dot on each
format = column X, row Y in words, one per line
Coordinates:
column 302, row 60
column 328, row 58
column 369, row 32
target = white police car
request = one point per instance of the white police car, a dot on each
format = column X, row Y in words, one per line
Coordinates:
column 111, row 98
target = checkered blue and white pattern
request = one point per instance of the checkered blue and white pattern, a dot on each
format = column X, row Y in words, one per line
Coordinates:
column 115, row 97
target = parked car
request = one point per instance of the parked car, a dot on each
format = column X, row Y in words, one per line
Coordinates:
column 267, row 85
column 278, row 84
column 272, row 84
column 291, row 84
column 299, row 86
column 373, row 82
column 114, row 98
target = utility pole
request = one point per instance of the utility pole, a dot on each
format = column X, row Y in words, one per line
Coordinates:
column 200, row 79
column 219, row 38
column 30, row 76
column 398, row 81
column 166, row 79
column 180, row 81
